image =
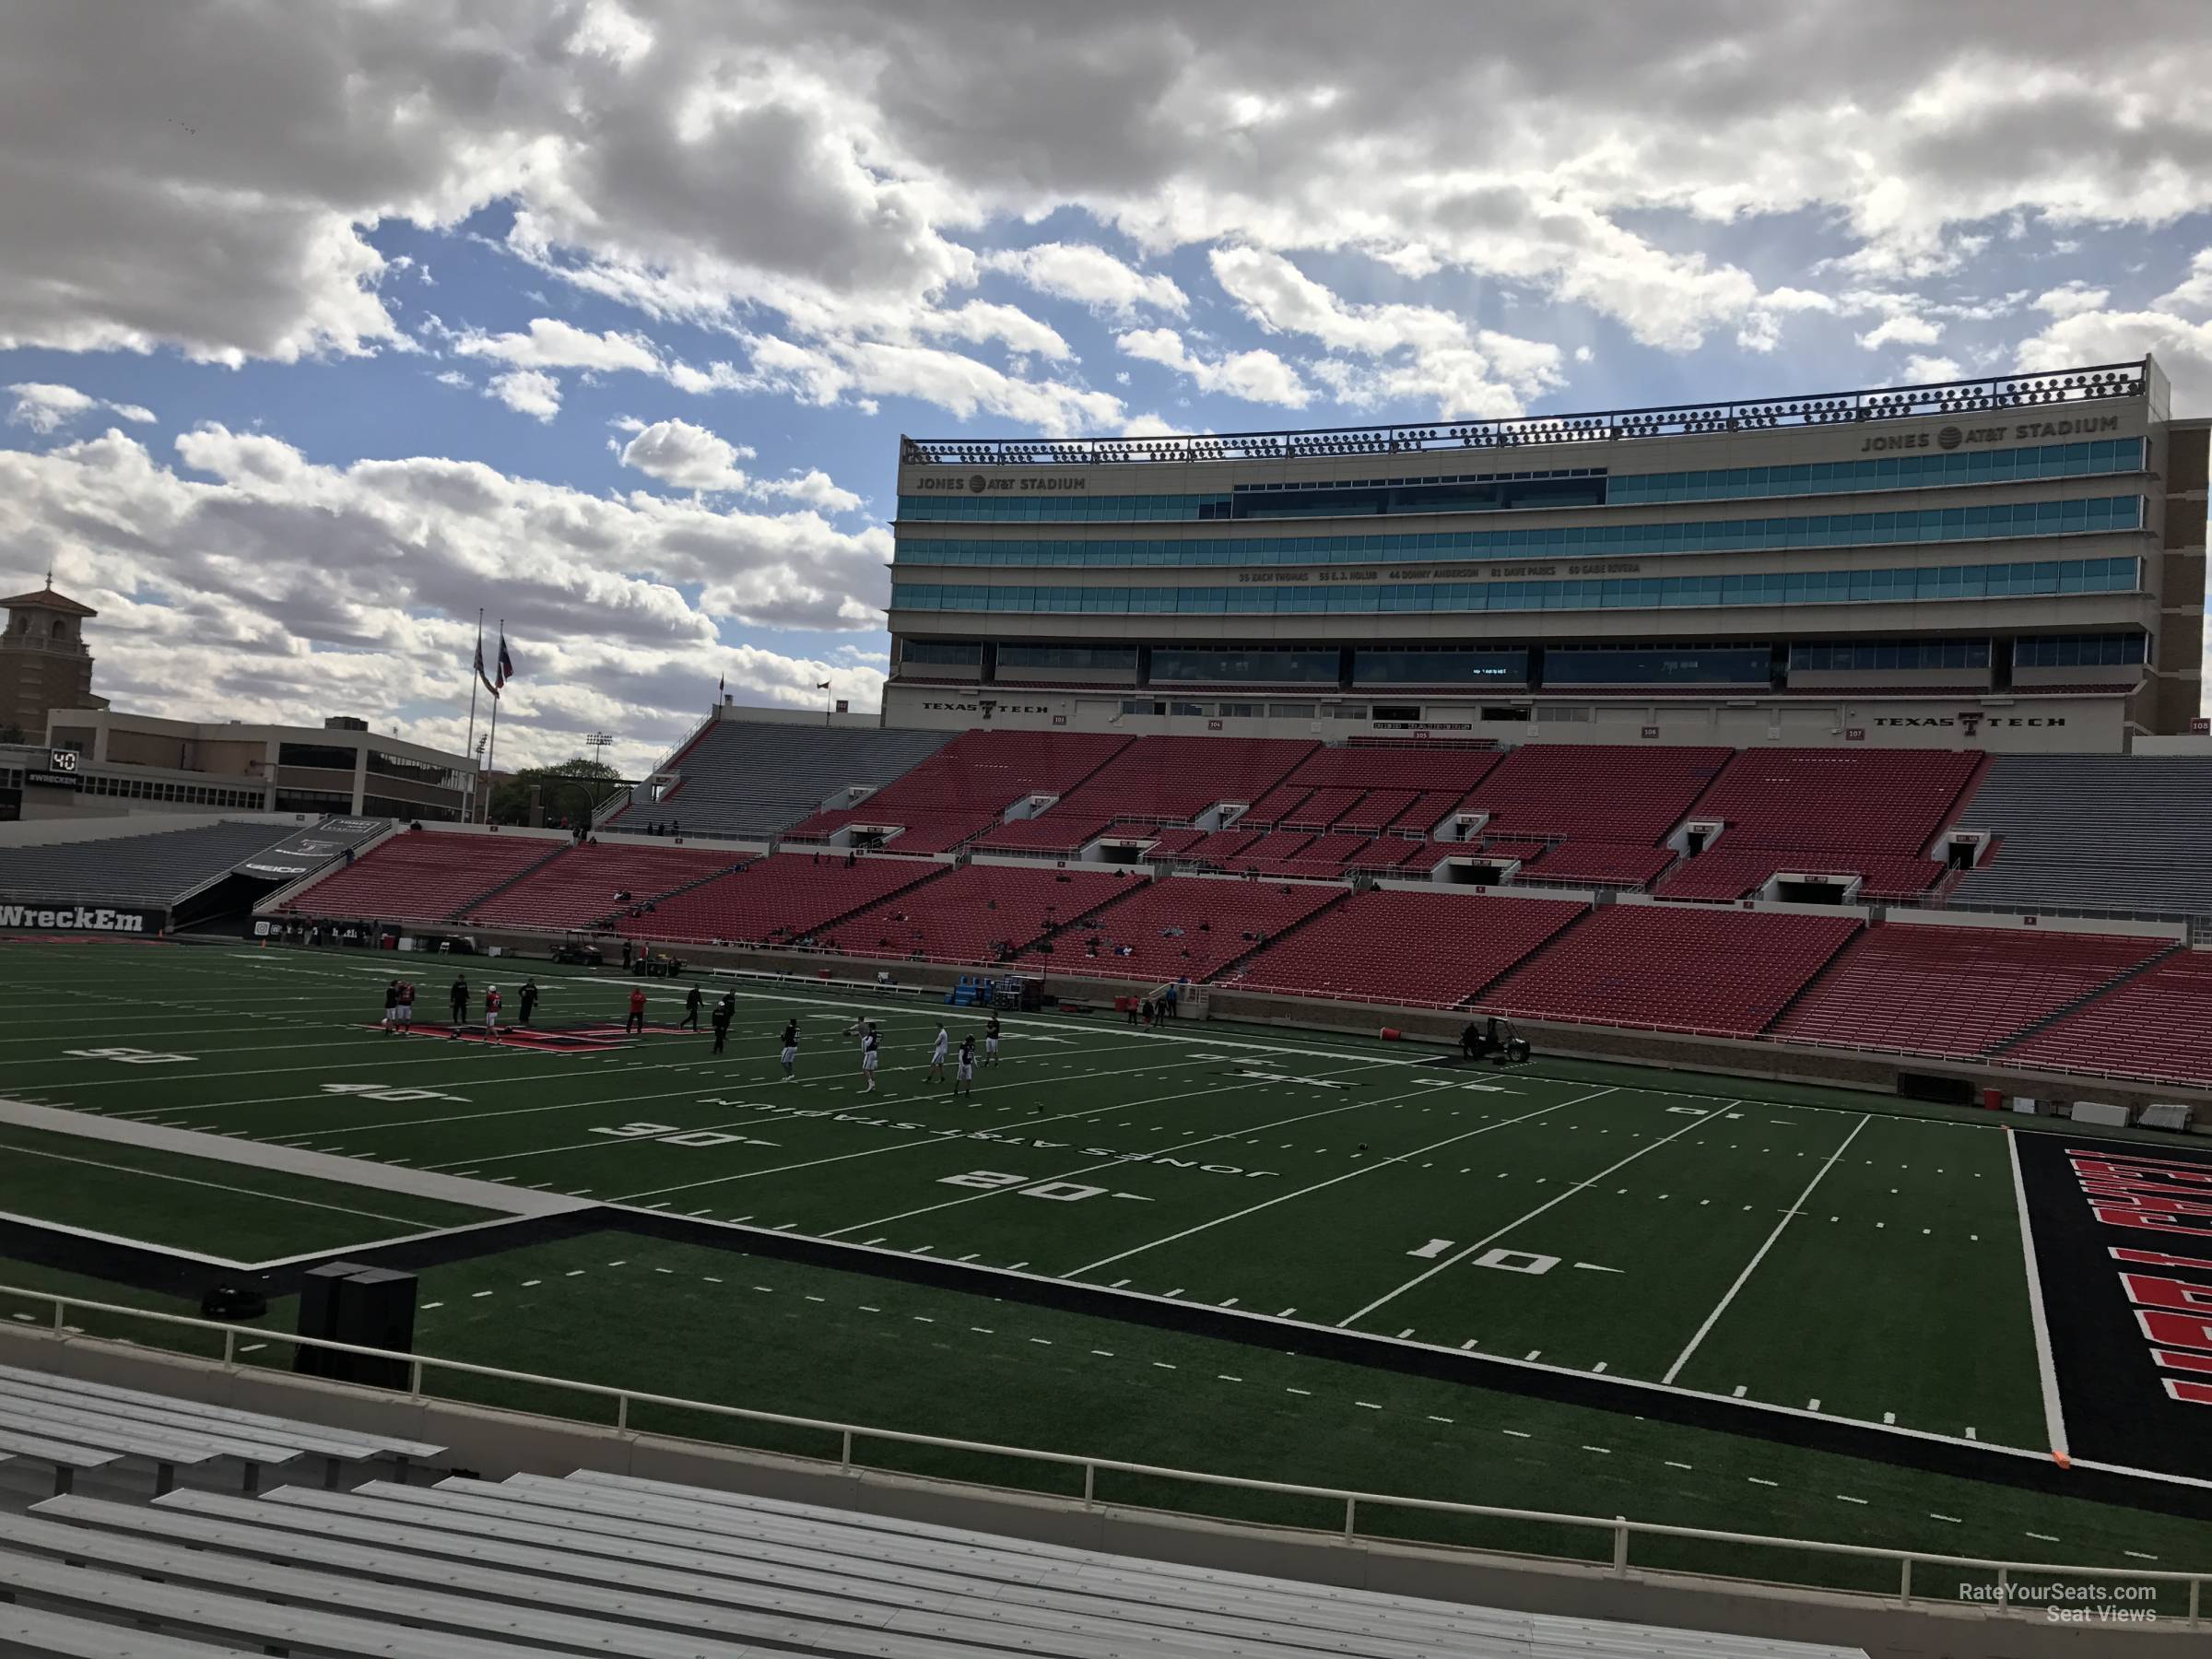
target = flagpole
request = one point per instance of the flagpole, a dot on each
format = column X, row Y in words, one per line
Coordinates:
column 491, row 751
column 475, row 673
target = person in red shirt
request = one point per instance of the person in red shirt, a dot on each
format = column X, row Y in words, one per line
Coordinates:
column 491, row 1012
column 636, row 1022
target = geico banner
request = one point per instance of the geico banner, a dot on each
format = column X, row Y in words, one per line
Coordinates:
column 79, row 917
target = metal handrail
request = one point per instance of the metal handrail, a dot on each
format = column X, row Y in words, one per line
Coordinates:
column 1619, row 1528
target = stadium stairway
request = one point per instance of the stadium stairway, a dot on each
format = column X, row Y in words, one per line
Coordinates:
column 1341, row 897
column 523, row 875
column 1136, row 883
column 2028, row 1032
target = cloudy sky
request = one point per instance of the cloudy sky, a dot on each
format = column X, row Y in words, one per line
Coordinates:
column 323, row 325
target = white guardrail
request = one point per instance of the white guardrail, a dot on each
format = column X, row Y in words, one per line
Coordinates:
column 2008, row 1594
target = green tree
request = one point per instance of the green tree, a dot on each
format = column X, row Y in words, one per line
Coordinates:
column 572, row 789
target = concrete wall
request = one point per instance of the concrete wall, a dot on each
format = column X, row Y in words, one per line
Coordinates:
column 2031, row 723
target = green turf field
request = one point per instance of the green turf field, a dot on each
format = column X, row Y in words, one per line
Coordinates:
column 1786, row 1247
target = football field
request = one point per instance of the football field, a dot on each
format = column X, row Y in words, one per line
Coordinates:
column 1829, row 1274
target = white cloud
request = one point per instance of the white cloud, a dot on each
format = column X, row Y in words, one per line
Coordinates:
column 1090, row 275
column 1902, row 329
column 1761, row 329
column 530, row 391
column 981, row 322
column 2184, row 348
column 244, row 580
column 1432, row 357
column 1930, row 371
column 2071, row 299
column 688, row 457
column 821, row 160
column 829, row 371
column 45, row 408
column 552, row 344
column 814, row 489
column 2194, row 294
column 1254, row 376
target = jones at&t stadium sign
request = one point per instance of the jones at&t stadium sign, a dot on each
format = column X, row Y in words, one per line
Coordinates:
column 985, row 484
column 2024, row 431
column 78, row 918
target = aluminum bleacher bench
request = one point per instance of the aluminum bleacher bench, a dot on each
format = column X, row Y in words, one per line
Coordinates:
column 65, row 1457
column 721, row 1598
column 58, row 1633
column 314, row 1437
column 1303, row 1614
column 331, row 1612
column 1143, row 1595
column 239, row 1621
column 609, row 1564
column 614, row 1548
column 169, row 1433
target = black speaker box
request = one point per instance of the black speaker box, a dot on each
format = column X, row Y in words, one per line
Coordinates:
column 376, row 1308
column 319, row 1317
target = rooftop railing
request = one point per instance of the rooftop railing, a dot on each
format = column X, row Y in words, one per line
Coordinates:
column 2005, row 392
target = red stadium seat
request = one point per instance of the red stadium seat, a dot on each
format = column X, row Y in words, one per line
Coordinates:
column 1727, row 871
column 2157, row 1027
column 578, row 886
column 426, row 876
column 790, row 897
column 1595, row 791
column 1412, row 949
column 1186, row 926
column 1954, row 989
column 1170, row 779
column 1719, row 973
column 966, row 787
column 1866, row 800
column 980, row 914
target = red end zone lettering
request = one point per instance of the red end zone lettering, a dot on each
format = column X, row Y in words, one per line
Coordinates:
column 2188, row 1362
column 2148, row 1220
column 2175, row 1330
column 2159, row 1258
column 2163, row 1203
column 2195, row 1393
column 2147, row 1290
column 2107, row 1159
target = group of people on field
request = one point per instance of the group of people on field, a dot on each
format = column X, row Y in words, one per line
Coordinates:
column 1158, row 1009
column 399, row 1006
column 399, row 1017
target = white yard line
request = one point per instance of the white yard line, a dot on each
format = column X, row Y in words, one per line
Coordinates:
column 2054, row 1411
column 938, row 1140
column 1483, row 1244
column 1788, row 1215
column 1317, row 1187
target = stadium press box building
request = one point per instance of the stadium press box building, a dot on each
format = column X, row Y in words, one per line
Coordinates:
column 2014, row 563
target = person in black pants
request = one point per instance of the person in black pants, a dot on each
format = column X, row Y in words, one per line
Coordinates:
column 457, row 999
column 690, row 1016
column 723, row 1011
column 529, row 998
